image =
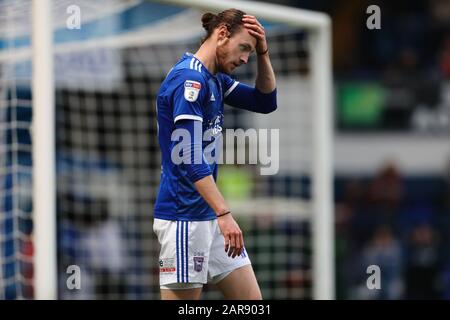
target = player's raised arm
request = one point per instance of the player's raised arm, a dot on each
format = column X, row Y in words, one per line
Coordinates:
column 265, row 77
column 261, row 98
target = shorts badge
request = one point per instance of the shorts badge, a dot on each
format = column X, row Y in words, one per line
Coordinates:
column 198, row 263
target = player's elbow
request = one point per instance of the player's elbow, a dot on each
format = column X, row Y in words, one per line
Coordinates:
column 270, row 108
column 268, row 101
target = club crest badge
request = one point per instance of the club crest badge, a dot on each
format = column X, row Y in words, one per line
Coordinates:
column 198, row 263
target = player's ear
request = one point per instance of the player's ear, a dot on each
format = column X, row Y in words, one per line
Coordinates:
column 222, row 34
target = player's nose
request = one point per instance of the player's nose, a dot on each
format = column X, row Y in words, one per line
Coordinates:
column 244, row 59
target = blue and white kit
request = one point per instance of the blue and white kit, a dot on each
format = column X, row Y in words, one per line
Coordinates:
column 192, row 247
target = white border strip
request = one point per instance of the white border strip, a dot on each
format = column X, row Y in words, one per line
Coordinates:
column 231, row 88
column 188, row 117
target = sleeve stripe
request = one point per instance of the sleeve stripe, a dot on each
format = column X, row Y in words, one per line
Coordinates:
column 195, row 64
column 188, row 117
column 231, row 88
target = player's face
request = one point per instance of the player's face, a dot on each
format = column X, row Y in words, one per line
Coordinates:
column 235, row 51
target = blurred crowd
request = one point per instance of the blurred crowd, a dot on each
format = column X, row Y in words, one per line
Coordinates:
column 409, row 57
column 400, row 224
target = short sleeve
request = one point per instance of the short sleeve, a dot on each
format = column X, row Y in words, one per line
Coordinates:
column 228, row 85
column 189, row 96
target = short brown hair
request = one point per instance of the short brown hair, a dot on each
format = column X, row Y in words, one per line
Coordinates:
column 231, row 18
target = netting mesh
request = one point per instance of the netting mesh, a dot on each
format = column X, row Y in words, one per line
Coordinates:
column 108, row 168
column 16, row 248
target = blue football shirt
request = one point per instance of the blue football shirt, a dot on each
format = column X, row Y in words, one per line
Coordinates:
column 191, row 92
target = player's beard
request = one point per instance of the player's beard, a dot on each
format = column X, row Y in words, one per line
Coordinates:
column 221, row 56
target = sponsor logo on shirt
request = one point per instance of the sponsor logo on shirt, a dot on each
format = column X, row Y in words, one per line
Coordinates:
column 191, row 90
column 167, row 265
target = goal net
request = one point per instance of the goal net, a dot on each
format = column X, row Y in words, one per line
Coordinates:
column 107, row 158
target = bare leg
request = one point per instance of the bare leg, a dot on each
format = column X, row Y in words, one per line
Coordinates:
column 182, row 294
column 241, row 284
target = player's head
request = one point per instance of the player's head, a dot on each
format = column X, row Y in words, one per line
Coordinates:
column 233, row 43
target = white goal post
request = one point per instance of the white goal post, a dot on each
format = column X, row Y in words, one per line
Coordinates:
column 319, row 28
column 44, row 170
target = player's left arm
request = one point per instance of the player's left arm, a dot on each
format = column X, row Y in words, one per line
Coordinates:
column 265, row 77
column 263, row 97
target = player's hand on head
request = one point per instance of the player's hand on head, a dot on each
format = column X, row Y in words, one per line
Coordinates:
column 256, row 29
column 234, row 240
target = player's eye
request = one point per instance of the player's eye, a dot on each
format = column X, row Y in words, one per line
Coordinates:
column 244, row 47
